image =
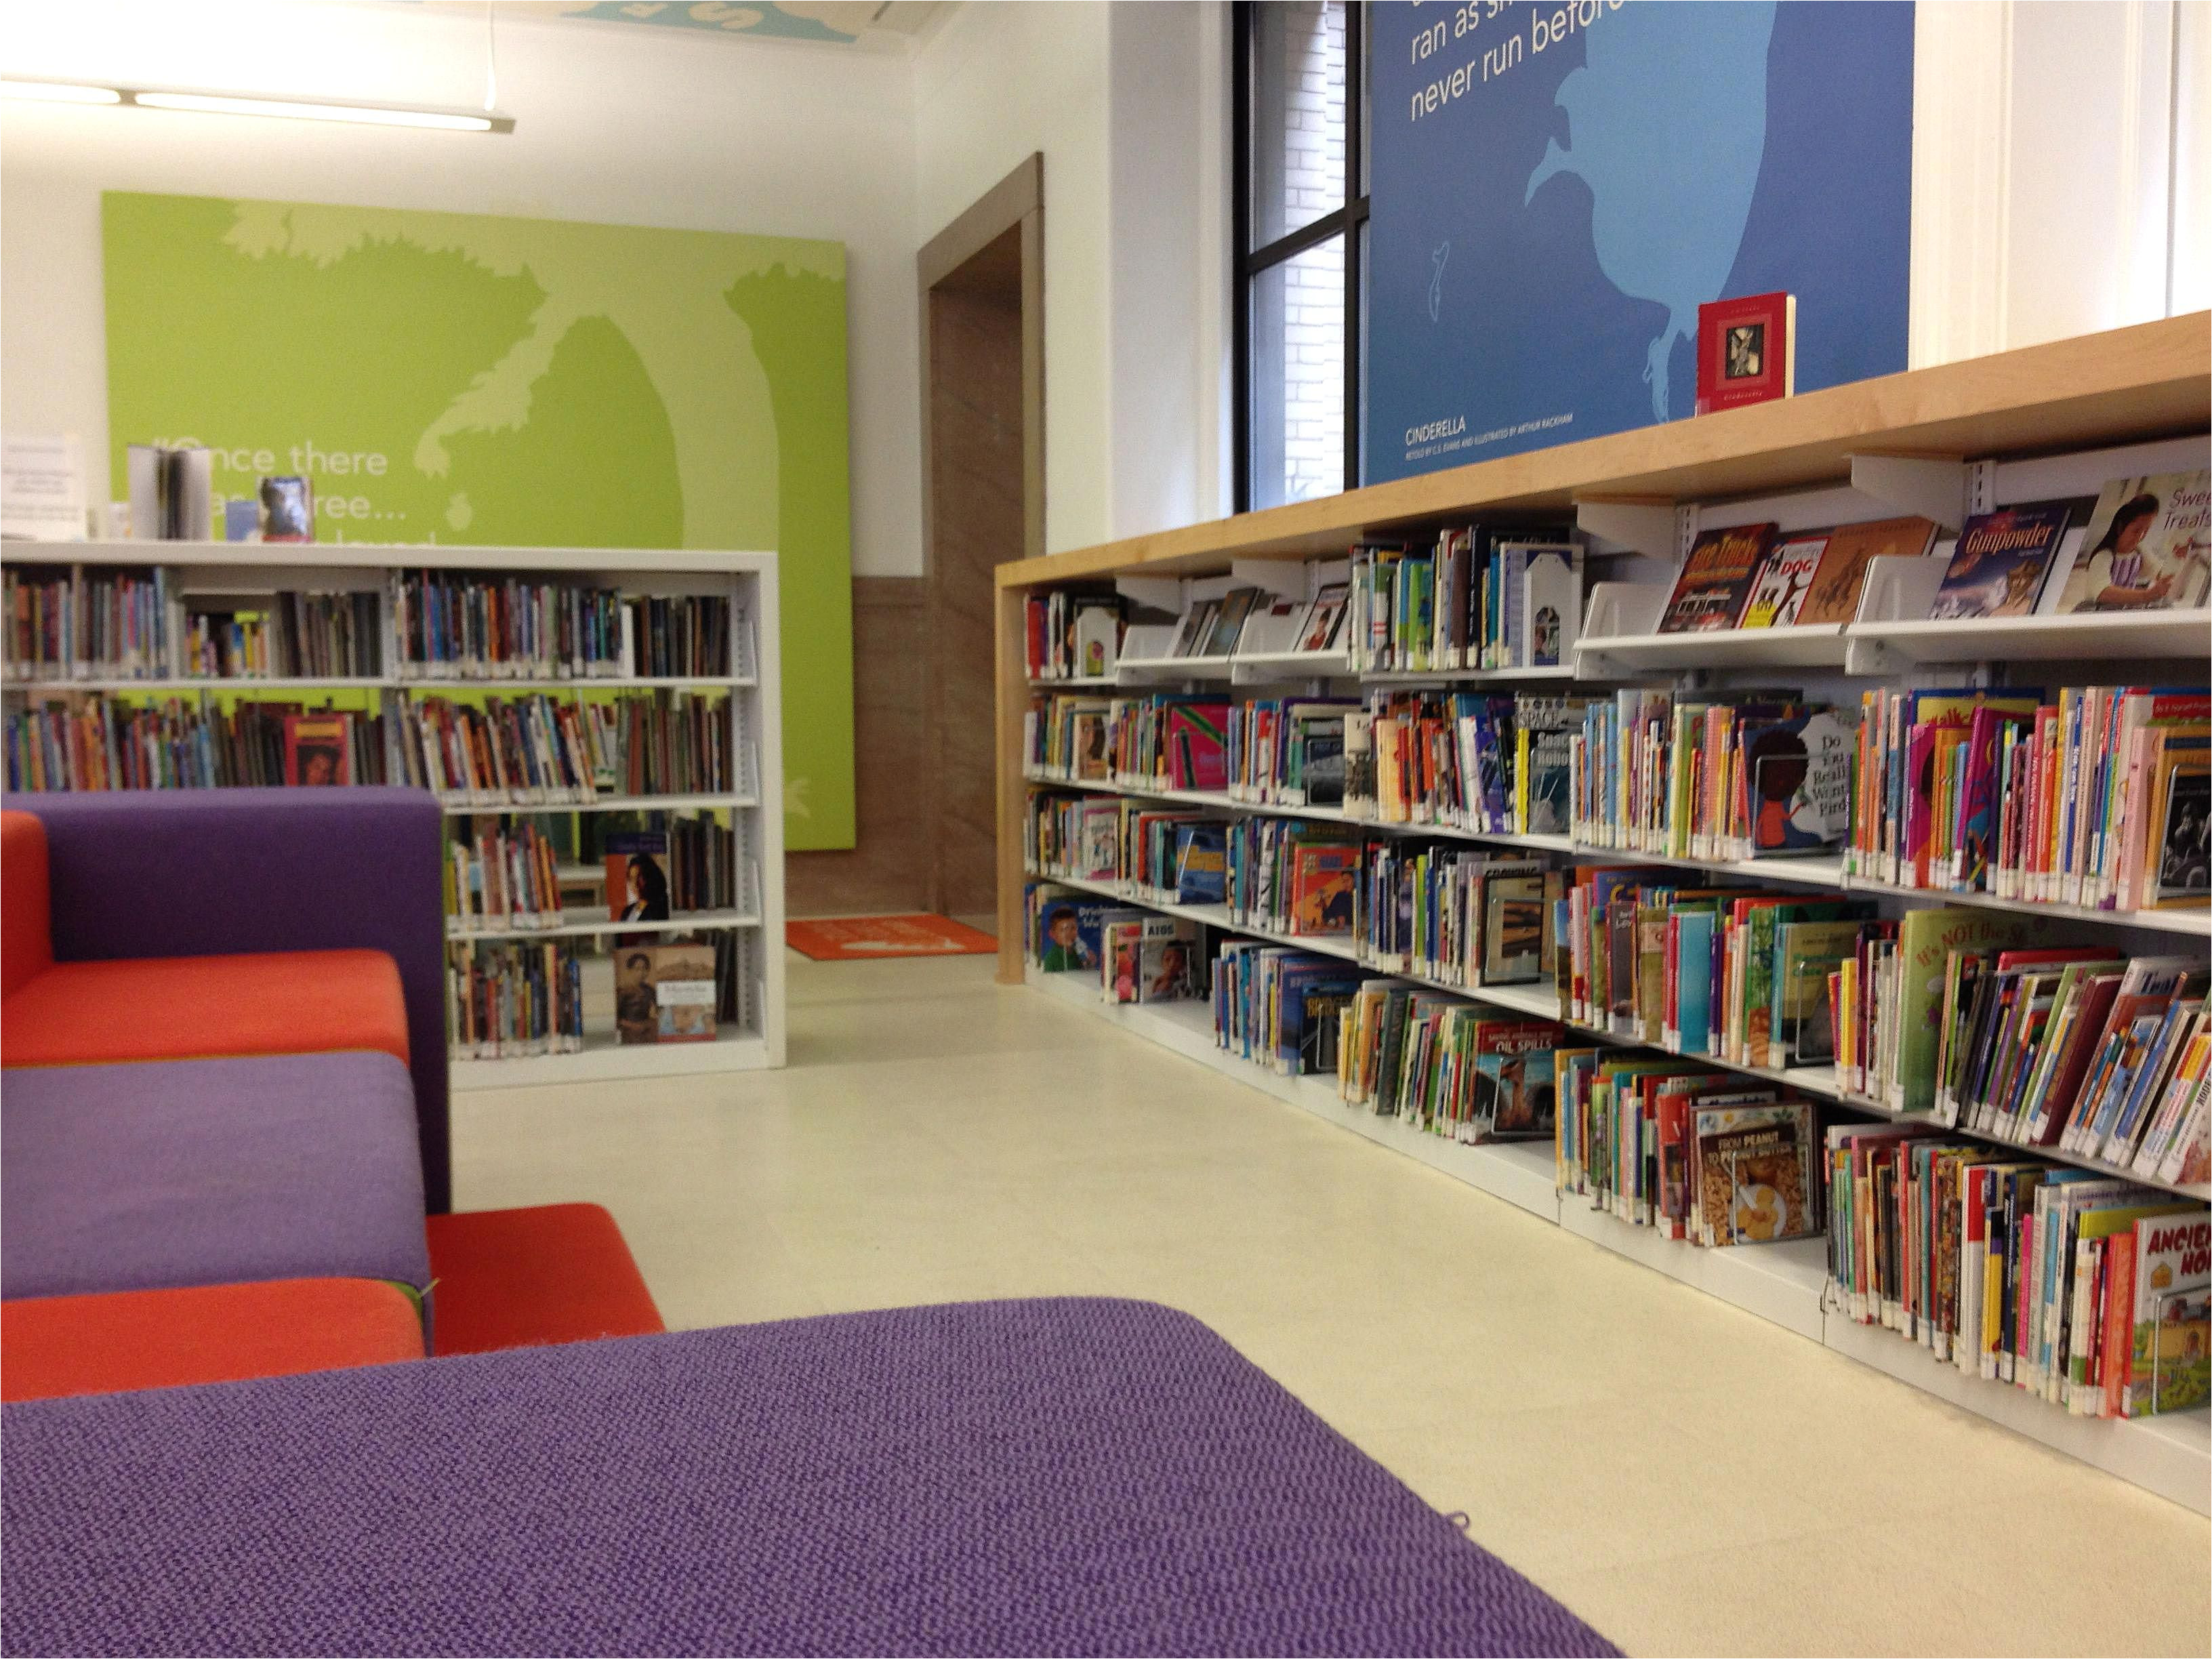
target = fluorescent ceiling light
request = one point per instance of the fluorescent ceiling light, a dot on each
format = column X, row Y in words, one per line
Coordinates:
column 212, row 104
column 298, row 109
column 58, row 92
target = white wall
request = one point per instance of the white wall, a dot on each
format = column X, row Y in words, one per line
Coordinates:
column 1128, row 104
column 2059, row 170
column 993, row 86
column 615, row 125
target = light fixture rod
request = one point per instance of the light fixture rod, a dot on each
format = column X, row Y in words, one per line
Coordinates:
column 257, row 104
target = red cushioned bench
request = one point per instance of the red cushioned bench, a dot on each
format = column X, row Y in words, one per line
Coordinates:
column 534, row 1278
column 51, row 1345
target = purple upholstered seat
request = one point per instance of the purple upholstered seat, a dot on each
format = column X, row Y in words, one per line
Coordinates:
column 1068, row 1476
column 209, row 1172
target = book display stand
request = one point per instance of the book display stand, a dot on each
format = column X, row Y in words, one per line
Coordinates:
column 1942, row 444
column 522, row 685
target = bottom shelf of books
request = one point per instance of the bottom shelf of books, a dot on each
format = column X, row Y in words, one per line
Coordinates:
column 2073, row 1305
column 575, row 1009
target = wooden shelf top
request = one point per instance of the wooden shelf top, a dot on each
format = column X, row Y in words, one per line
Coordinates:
column 2152, row 379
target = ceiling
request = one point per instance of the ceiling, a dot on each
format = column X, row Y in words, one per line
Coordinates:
column 834, row 23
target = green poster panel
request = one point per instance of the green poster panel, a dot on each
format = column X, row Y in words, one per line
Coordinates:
column 461, row 377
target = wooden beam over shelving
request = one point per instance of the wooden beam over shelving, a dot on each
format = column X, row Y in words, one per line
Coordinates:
column 2153, row 379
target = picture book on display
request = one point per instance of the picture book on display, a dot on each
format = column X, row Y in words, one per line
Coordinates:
column 665, row 994
column 316, row 750
column 1715, row 579
column 1998, row 566
column 1324, row 622
column 1834, row 594
column 1785, row 579
column 1747, row 350
column 2148, row 546
column 637, row 876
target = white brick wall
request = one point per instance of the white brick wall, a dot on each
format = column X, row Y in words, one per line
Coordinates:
column 1310, row 35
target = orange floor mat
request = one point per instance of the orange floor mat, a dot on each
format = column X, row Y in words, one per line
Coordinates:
column 863, row 939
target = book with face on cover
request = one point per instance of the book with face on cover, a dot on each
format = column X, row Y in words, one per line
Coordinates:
column 1324, row 623
column 637, row 876
column 2148, row 546
column 1716, row 579
column 316, row 750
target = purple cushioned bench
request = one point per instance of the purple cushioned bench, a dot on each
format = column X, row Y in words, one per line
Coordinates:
column 1071, row 1476
column 209, row 1172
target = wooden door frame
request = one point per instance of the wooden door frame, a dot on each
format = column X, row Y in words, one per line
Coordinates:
column 1016, row 201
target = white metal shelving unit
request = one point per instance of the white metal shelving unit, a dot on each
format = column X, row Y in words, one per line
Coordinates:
column 753, row 806
column 1889, row 638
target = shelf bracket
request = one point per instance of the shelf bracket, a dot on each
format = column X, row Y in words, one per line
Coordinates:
column 1284, row 578
column 1642, row 526
column 1931, row 487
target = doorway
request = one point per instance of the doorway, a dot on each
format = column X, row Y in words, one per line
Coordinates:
column 981, row 285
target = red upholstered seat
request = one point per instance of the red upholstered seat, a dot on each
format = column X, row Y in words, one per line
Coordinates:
column 280, row 1002
column 532, row 1278
column 67, row 1345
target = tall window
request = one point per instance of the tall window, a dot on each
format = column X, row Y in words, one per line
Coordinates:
column 1302, row 229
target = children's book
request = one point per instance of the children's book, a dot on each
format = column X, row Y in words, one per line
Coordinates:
column 1201, row 863
column 1785, row 580
column 1797, row 780
column 1715, row 579
column 2170, row 1367
column 1324, row 623
column 1751, row 1173
column 1171, row 967
column 683, row 979
column 1998, row 568
column 315, row 749
column 2148, row 546
column 1323, row 878
column 637, row 875
column 1834, row 596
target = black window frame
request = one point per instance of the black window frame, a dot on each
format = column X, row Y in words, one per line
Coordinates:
column 1348, row 221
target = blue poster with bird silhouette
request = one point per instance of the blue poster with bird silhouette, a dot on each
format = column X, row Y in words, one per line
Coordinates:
column 1556, row 188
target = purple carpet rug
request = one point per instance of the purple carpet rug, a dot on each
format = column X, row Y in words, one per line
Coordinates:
column 1045, row 1477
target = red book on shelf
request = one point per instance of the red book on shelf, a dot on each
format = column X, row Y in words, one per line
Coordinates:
column 1747, row 350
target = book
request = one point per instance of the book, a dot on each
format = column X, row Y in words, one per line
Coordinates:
column 1545, row 617
column 1797, row 780
column 1097, row 637
column 1998, row 568
column 288, row 510
column 1785, row 580
column 1324, row 622
column 1747, row 350
column 1750, row 1171
column 683, row 981
column 317, row 750
column 1220, row 639
column 2170, row 1359
column 1834, row 594
column 1201, row 863
column 1170, row 965
column 637, row 888
column 1322, row 880
column 2148, row 546
column 2183, row 804
column 1715, row 579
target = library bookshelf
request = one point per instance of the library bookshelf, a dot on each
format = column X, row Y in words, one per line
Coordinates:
column 1940, row 443
column 745, row 805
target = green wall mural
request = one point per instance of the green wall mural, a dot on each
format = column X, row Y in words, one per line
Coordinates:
column 460, row 378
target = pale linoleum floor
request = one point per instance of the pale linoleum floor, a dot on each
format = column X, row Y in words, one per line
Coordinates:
column 1685, row 1476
